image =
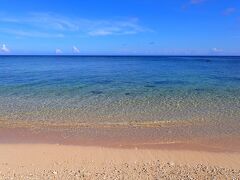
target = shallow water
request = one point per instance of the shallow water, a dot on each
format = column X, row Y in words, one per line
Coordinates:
column 119, row 89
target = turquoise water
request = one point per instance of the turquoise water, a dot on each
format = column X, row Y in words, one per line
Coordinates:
column 119, row 89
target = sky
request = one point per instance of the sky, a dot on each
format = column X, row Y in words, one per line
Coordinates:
column 120, row 27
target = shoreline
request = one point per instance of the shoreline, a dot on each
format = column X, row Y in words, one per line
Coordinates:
column 122, row 137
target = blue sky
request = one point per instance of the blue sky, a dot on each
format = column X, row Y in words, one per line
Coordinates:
column 120, row 27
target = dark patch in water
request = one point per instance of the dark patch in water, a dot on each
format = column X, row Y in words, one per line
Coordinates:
column 222, row 78
column 169, row 82
column 79, row 87
column 149, row 86
column 127, row 94
column 203, row 90
column 97, row 92
column 199, row 89
column 58, row 94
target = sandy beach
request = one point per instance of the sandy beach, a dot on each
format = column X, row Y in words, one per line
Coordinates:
column 44, row 161
column 31, row 154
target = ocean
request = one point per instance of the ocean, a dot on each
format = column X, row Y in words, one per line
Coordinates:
column 119, row 89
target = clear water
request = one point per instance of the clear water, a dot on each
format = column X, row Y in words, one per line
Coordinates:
column 119, row 89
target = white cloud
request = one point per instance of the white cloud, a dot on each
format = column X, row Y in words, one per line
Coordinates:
column 52, row 25
column 75, row 49
column 5, row 49
column 58, row 51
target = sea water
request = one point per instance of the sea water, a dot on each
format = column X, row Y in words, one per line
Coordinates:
column 106, row 89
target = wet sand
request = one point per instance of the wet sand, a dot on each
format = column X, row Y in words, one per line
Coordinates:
column 170, row 136
column 114, row 153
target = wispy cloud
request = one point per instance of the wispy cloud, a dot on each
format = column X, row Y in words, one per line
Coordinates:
column 119, row 27
column 42, row 20
column 229, row 11
column 5, row 49
column 31, row 33
column 75, row 49
column 216, row 50
column 52, row 25
column 58, row 51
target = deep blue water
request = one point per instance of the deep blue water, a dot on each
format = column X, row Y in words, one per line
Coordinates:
column 119, row 89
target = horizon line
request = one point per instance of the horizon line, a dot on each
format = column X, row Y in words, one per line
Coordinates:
column 114, row 55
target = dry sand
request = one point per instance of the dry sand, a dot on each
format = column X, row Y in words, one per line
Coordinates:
column 54, row 161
